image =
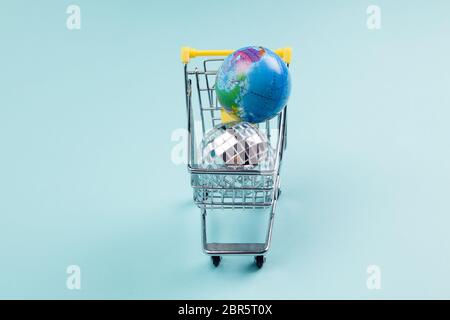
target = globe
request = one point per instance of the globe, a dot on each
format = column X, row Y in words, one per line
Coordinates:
column 253, row 84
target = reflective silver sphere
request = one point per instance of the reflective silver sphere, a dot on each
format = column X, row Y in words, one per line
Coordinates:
column 236, row 145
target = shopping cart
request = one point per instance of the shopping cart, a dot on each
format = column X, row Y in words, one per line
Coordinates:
column 226, row 188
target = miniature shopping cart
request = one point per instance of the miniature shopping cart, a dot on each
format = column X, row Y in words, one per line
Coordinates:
column 228, row 188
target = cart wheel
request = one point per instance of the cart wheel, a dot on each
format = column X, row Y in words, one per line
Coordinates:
column 259, row 260
column 216, row 260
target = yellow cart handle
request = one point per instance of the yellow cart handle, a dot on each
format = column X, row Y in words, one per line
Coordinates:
column 189, row 53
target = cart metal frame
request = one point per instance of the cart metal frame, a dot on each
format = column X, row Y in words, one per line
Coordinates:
column 227, row 188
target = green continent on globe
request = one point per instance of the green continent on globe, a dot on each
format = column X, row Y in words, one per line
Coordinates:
column 230, row 97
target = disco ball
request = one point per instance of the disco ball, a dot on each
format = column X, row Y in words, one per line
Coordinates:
column 236, row 145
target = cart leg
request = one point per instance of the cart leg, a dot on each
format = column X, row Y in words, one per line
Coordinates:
column 215, row 259
column 204, row 237
column 270, row 227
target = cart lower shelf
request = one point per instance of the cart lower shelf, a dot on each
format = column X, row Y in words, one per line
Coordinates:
column 236, row 248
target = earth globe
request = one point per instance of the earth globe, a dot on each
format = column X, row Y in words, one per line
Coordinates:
column 253, row 84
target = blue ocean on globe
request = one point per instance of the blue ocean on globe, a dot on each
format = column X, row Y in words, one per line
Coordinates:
column 253, row 84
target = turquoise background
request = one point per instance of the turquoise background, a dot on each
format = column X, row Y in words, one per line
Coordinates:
column 86, row 176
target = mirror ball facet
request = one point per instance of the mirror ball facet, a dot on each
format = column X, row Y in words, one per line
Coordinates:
column 236, row 145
